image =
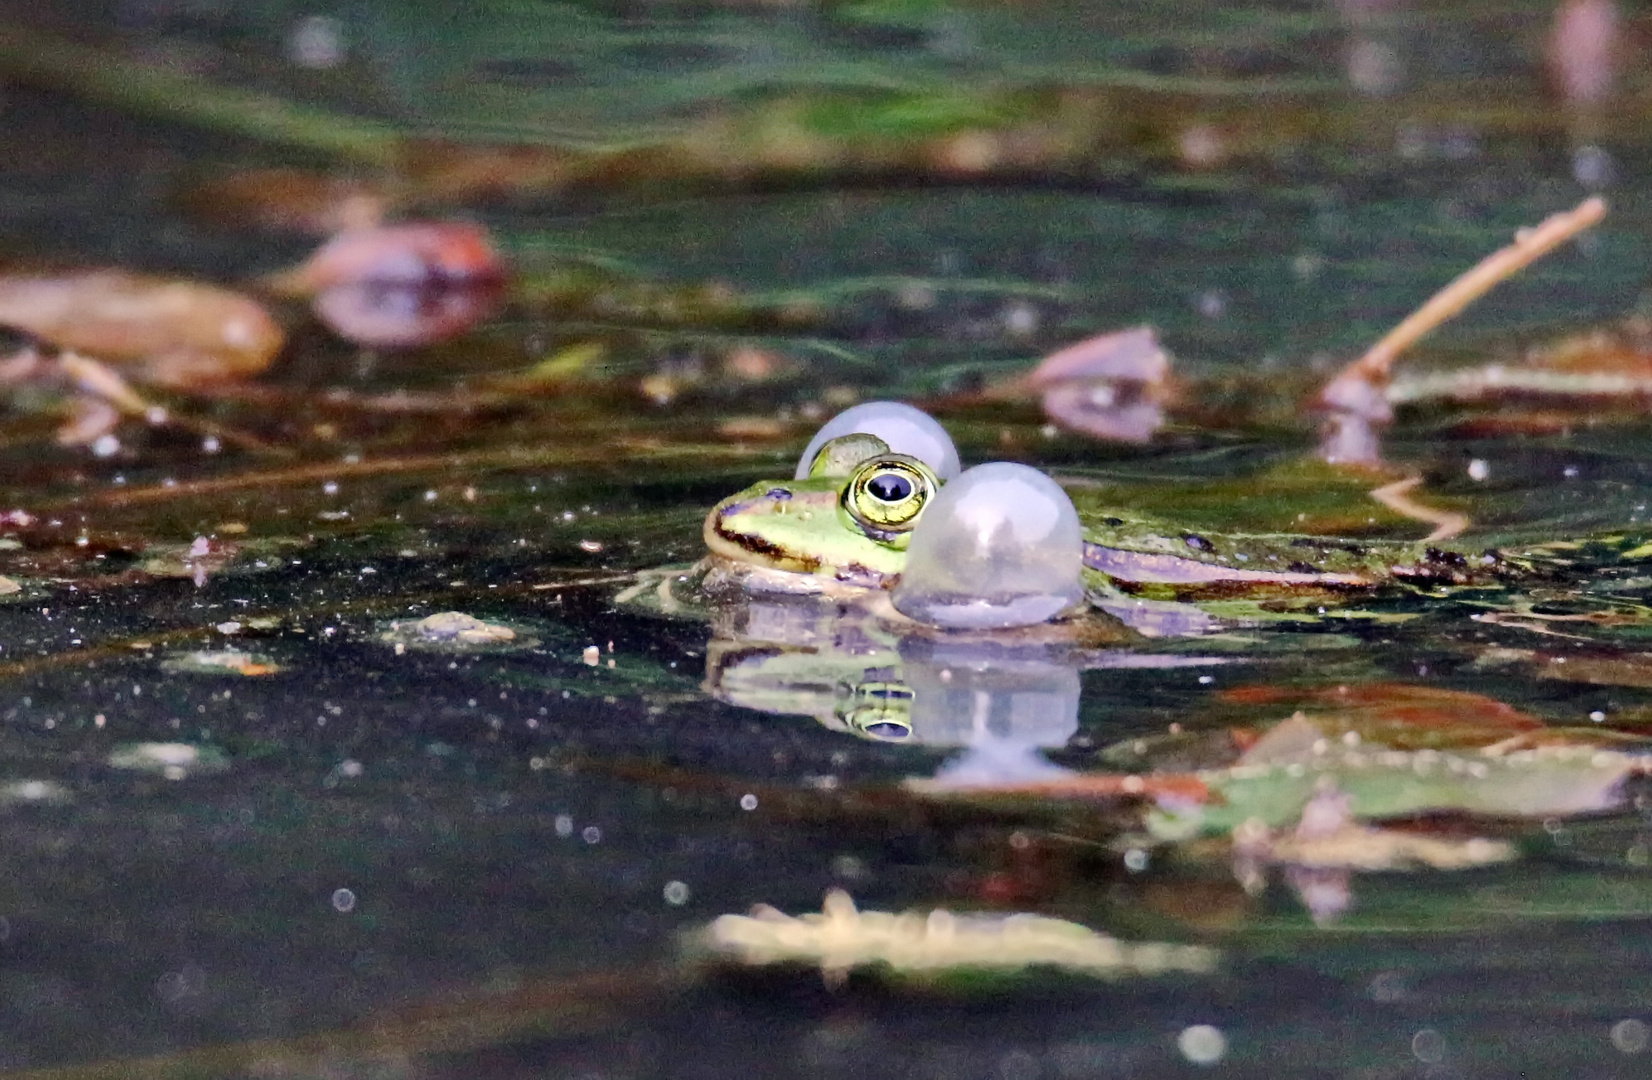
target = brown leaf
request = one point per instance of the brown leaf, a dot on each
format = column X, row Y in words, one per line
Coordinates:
column 176, row 333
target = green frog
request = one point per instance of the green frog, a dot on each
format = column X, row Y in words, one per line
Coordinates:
column 846, row 528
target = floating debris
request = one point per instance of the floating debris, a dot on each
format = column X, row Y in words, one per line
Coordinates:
column 1359, row 847
column 841, row 939
column 182, row 334
column 1112, row 387
column 1497, row 781
column 173, row 760
column 36, row 792
column 1355, row 403
column 454, row 630
column 1329, row 838
column 221, row 662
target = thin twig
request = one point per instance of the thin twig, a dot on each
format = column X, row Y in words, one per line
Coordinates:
column 1396, row 497
column 1529, row 246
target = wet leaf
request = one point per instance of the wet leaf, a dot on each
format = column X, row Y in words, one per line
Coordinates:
column 1400, row 716
column 400, row 286
column 176, row 333
column 936, row 944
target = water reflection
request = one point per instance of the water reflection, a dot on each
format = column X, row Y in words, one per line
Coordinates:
column 1314, row 787
column 1002, row 711
column 1002, row 701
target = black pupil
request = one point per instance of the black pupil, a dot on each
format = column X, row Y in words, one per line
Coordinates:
column 889, row 487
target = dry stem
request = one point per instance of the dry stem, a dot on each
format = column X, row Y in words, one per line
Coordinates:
column 1529, row 246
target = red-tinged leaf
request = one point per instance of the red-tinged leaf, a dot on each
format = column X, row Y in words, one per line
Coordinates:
column 1134, row 355
column 1112, row 387
column 401, row 286
column 1397, row 715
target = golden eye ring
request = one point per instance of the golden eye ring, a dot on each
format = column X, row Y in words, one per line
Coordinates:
column 886, row 494
column 878, row 711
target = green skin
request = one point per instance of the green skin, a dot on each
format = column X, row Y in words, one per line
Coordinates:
column 796, row 526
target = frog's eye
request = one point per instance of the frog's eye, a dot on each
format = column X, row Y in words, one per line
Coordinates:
column 885, row 495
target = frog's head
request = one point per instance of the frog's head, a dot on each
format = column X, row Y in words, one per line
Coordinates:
column 848, row 520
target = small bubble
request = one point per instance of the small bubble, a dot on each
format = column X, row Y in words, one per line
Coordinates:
column 1597, row 716
column 1428, row 1046
column 211, row 445
column 1020, row 319
column 1478, row 469
column 676, row 893
column 344, row 900
column 330, row 487
column 1018, row 1065
column 105, row 446
column 1630, row 1036
column 1593, row 168
column 317, row 41
column 591, row 834
column 1206, row 680
column 849, row 868
column 748, row 801
column 564, row 826
column 1135, row 860
column 1202, row 1044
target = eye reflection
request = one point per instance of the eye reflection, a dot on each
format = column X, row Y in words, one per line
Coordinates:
column 877, row 710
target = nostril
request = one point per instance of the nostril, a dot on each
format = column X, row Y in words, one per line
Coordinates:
column 780, row 493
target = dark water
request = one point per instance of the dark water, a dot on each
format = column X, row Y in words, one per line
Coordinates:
column 480, row 861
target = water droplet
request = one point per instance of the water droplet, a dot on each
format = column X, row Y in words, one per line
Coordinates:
column 1428, row 1046
column 1202, row 1044
column 1630, row 1036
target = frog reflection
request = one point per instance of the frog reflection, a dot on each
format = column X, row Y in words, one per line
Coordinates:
column 862, row 676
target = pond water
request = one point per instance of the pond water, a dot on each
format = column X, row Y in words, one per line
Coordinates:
column 263, row 819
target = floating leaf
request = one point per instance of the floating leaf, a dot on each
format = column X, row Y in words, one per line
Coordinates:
column 398, row 286
column 1548, row 781
column 841, row 939
column 177, row 333
column 455, row 631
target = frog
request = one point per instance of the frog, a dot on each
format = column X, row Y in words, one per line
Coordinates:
column 845, row 529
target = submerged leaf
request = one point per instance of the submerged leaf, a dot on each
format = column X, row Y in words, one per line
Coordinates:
column 1400, row 716
column 1549, row 781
